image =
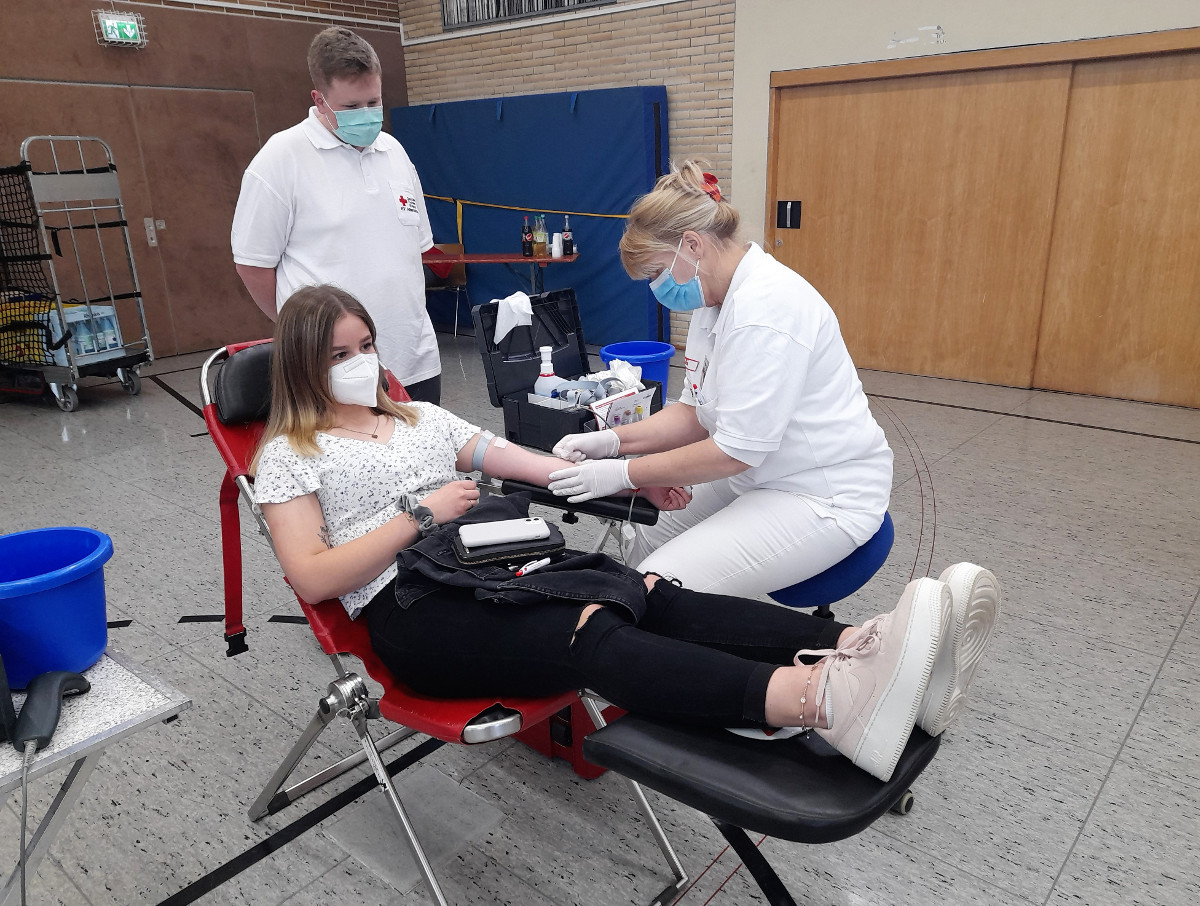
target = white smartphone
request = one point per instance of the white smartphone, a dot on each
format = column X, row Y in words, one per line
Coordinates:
column 481, row 534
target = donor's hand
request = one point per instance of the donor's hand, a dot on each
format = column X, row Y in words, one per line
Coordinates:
column 667, row 498
column 452, row 500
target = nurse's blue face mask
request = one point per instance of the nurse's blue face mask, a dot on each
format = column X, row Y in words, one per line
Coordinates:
column 358, row 127
column 678, row 296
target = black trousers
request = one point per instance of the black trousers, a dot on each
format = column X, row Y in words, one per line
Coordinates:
column 426, row 391
column 694, row 658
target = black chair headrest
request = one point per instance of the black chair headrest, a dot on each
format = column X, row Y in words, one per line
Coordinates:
column 242, row 390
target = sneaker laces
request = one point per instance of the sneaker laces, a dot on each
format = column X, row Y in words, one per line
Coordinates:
column 860, row 644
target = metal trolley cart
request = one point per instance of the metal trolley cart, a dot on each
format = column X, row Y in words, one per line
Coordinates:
column 63, row 202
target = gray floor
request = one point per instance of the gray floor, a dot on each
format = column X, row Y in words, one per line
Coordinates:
column 1073, row 778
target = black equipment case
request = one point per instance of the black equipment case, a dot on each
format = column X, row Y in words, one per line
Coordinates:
column 513, row 366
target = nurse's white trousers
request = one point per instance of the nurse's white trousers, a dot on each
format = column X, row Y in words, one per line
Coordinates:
column 748, row 544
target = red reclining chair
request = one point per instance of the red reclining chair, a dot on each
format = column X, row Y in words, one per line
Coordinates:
column 234, row 384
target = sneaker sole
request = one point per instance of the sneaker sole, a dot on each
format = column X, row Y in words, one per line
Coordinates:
column 889, row 726
column 976, row 597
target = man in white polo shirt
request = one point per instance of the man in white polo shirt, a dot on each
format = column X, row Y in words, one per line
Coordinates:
column 335, row 200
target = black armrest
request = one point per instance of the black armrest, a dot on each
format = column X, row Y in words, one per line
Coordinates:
column 643, row 513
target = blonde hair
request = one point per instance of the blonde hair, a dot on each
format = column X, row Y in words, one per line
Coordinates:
column 302, row 402
column 337, row 52
column 681, row 200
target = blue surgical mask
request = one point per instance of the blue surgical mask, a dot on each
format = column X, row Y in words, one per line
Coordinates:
column 358, row 127
column 678, row 296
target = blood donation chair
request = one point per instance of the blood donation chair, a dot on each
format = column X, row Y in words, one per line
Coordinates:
column 235, row 389
column 798, row 789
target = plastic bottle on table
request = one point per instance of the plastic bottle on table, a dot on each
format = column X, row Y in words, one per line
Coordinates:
column 547, row 381
column 539, row 237
column 527, row 239
column 568, row 245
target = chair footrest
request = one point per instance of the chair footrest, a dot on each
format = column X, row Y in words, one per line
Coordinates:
column 799, row 789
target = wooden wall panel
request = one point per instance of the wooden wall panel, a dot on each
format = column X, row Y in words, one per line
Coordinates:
column 1122, row 306
column 927, row 209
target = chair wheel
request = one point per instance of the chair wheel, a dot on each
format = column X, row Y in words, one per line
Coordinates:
column 904, row 804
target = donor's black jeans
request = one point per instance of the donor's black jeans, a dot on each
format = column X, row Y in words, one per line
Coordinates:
column 692, row 658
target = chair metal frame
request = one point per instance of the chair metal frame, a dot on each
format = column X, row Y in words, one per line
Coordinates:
column 455, row 282
column 462, row 721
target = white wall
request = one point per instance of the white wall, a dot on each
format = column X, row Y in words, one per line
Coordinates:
column 779, row 35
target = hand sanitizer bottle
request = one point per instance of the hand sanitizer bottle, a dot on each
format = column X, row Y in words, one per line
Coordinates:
column 547, row 380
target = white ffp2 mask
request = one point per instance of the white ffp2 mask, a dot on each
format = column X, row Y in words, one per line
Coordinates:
column 355, row 381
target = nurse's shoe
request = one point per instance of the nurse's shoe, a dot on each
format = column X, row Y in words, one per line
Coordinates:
column 872, row 685
column 976, row 597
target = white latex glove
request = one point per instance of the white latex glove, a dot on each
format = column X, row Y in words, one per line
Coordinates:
column 595, row 478
column 590, row 445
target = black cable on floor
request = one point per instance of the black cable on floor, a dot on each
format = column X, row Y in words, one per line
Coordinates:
column 1040, row 418
column 175, row 393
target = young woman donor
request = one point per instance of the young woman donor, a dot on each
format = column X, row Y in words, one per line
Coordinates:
column 789, row 470
column 351, row 482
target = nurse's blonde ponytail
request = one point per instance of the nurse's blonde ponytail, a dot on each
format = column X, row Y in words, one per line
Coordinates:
column 685, row 199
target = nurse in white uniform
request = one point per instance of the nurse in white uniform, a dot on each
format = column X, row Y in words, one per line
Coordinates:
column 790, row 471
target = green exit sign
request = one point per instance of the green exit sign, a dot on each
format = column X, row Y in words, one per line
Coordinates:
column 112, row 27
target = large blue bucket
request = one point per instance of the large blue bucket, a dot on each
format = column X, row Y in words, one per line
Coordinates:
column 654, row 357
column 52, row 612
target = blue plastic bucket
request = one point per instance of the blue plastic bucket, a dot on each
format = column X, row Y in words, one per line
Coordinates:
column 654, row 357
column 52, row 613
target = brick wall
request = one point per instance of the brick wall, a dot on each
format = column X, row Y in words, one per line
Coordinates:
column 686, row 46
column 383, row 12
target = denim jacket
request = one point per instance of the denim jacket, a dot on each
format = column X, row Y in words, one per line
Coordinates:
column 571, row 576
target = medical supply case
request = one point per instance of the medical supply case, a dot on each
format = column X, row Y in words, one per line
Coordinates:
column 512, row 365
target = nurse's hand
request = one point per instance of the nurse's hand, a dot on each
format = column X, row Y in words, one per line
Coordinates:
column 590, row 445
column 596, row 478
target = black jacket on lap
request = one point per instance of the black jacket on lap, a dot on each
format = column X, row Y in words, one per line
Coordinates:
column 571, row 576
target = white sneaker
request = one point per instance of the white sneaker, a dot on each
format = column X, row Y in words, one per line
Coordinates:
column 873, row 684
column 976, row 597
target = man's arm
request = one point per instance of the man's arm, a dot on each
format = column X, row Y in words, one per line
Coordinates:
column 260, row 281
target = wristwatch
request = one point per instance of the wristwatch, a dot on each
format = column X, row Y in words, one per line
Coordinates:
column 422, row 516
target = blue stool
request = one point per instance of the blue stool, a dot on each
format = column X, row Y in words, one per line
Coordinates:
column 842, row 579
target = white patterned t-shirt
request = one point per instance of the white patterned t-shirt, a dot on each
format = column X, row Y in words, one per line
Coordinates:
column 361, row 484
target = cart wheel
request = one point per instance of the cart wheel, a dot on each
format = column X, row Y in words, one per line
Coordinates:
column 67, row 399
column 131, row 381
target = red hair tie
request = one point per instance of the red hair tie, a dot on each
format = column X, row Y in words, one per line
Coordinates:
column 711, row 187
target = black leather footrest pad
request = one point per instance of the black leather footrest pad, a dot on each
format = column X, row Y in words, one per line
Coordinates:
column 798, row 789
column 644, row 512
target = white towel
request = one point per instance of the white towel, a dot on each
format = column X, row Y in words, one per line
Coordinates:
column 511, row 311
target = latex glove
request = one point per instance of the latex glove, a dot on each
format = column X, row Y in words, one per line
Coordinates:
column 590, row 445
column 595, row 478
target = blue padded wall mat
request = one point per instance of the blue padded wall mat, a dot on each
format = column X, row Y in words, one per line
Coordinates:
column 589, row 153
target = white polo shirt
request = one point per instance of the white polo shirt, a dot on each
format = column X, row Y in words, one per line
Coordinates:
column 317, row 210
column 773, row 384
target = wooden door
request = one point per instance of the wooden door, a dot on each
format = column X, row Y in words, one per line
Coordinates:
column 1122, row 306
column 195, row 146
column 927, row 205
